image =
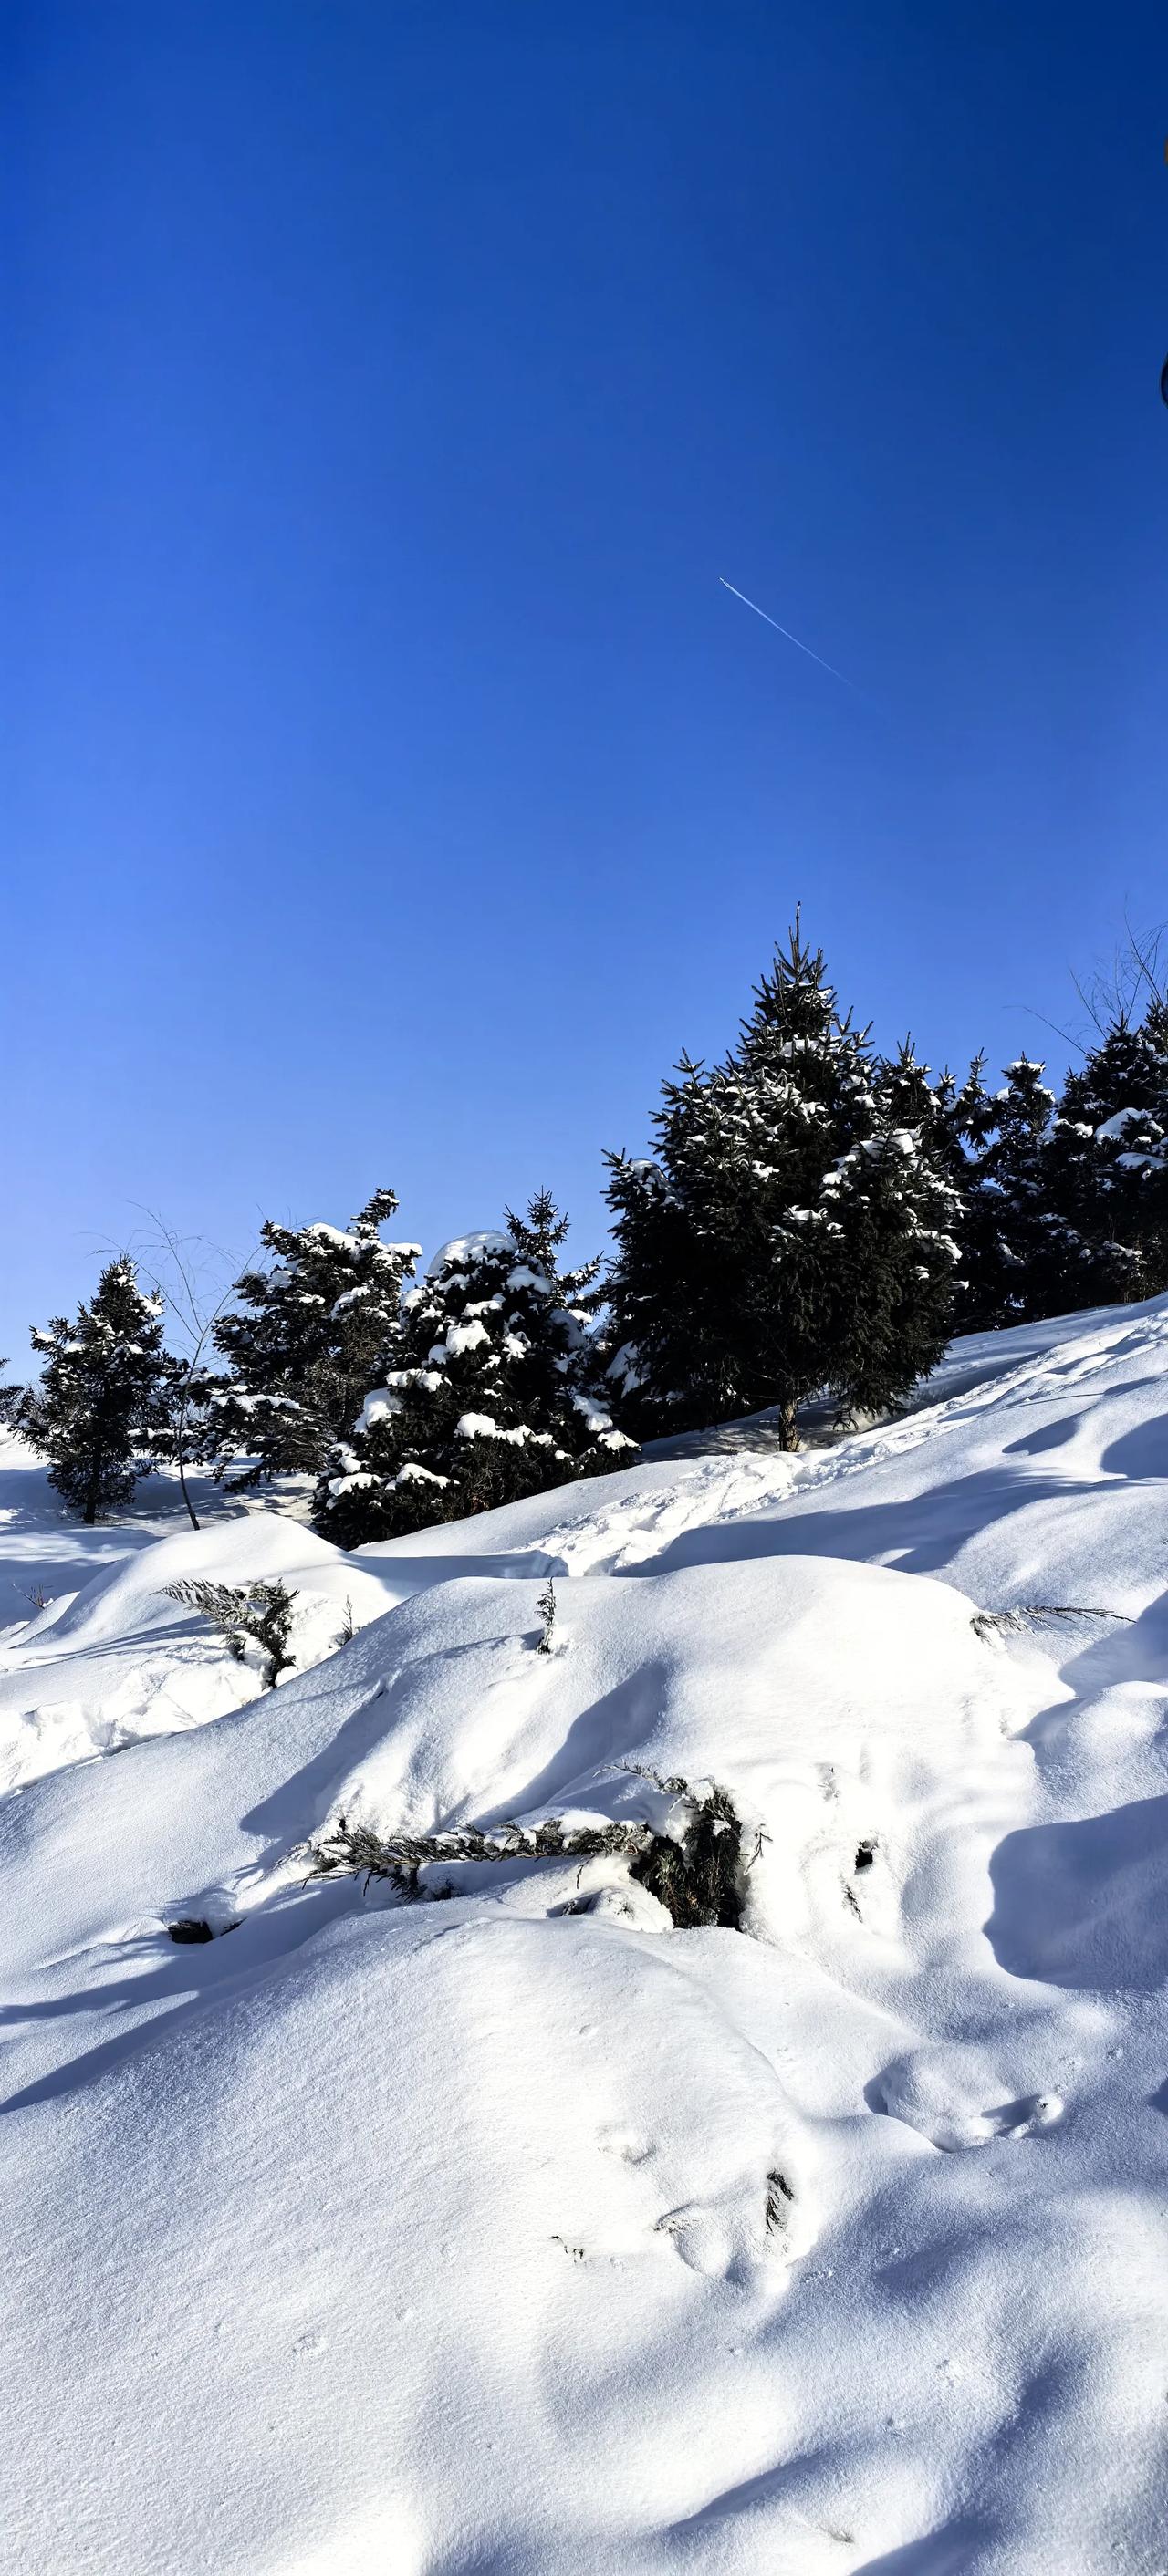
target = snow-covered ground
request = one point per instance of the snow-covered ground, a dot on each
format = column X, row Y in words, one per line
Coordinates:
column 522, row 2234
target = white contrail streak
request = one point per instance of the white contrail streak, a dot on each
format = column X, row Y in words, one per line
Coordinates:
column 785, row 630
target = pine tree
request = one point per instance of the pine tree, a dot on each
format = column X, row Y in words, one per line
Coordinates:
column 306, row 1344
column 103, row 1411
column 953, row 1120
column 950, row 1118
column 899, row 1213
column 491, row 1392
column 791, row 1234
column 13, row 1400
column 1107, row 1165
column 1016, row 1249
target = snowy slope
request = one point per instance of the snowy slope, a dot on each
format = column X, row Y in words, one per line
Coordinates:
column 522, row 2234
column 114, row 1660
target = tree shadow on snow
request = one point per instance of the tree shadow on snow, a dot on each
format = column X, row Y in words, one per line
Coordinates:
column 919, row 1534
column 599, row 1736
column 1085, row 1904
column 1143, row 1451
column 186, row 1978
column 950, row 2552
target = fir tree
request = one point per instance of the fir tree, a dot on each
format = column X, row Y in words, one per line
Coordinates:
column 103, row 1411
column 791, row 1234
column 953, row 1121
column 305, row 1345
column 899, row 1215
column 491, row 1391
column 951, row 1118
column 1107, row 1165
column 13, row 1401
column 1016, row 1249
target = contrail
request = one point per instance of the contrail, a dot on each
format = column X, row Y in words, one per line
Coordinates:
column 785, row 630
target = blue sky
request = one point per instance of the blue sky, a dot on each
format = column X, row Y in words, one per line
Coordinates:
column 393, row 791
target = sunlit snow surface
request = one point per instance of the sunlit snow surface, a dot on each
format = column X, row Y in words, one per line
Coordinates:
column 450, row 2239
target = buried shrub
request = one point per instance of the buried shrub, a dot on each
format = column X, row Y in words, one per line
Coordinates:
column 546, row 1606
column 257, row 1612
column 696, row 1879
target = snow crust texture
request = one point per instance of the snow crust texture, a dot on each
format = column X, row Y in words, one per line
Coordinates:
column 517, row 2232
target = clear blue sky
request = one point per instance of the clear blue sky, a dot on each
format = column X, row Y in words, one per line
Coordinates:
column 393, row 791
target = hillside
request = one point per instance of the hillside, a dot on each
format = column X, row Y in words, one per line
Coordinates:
column 526, row 2233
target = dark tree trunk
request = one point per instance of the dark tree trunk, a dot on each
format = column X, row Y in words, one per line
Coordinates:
column 180, row 1447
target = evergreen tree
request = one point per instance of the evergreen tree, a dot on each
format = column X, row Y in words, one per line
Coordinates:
column 103, row 1410
column 306, row 1343
column 1016, row 1248
column 13, row 1400
column 491, row 1392
column 953, row 1120
column 950, row 1118
column 1107, row 1166
column 899, row 1215
column 792, row 1233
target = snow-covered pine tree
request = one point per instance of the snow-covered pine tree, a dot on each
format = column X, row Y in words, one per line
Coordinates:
column 899, row 1211
column 492, row 1392
column 1107, row 1162
column 1015, row 1247
column 12, row 1402
column 951, row 1117
column 103, row 1410
column 306, row 1343
column 953, row 1120
column 757, row 1262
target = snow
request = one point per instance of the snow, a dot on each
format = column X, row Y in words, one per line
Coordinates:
column 379, row 1404
column 523, row 1276
column 464, row 1250
column 499, row 2237
column 110, row 1660
column 1113, row 1128
column 465, row 1337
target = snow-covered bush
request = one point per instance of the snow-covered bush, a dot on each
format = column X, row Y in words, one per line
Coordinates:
column 694, row 1873
column 256, row 1613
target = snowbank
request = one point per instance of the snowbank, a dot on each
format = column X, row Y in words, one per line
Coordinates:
column 524, row 2232
column 116, row 1660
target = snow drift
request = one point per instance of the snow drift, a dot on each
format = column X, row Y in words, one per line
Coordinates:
column 520, row 2233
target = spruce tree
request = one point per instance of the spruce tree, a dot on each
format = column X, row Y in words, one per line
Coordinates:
column 1016, row 1249
column 953, row 1119
column 1107, row 1165
column 792, row 1232
column 899, row 1213
column 490, row 1391
column 13, row 1400
column 103, row 1410
column 305, row 1344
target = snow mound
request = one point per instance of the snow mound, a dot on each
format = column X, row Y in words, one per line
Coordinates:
column 522, row 2230
column 117, row 1660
